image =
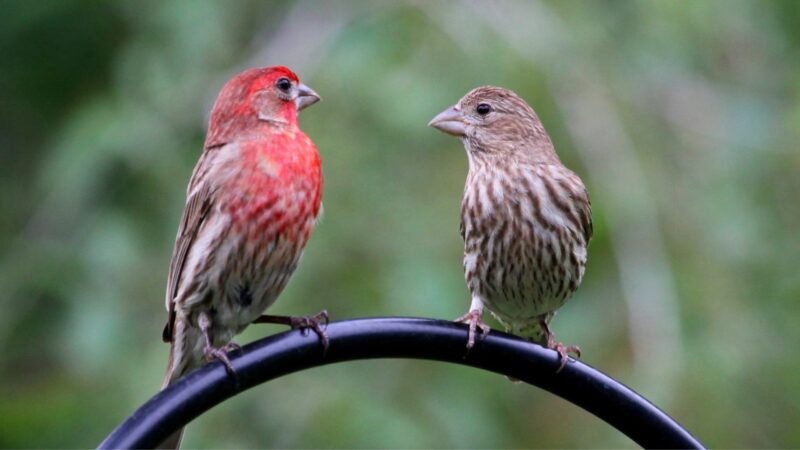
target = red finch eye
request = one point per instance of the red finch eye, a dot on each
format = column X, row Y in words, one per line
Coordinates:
column 283, row 84
column 483, row 109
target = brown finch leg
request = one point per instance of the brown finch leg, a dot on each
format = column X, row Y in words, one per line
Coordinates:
column 558, row 346
column 303, row 323
column 475, row 320
column 212, row 352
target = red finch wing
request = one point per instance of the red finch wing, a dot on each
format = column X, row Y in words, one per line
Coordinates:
column 197, row 208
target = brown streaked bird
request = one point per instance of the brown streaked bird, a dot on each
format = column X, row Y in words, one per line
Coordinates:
column 526, row 220
column 252, row 202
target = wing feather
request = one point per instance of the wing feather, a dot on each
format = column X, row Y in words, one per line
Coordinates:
column 568, row 193
column 198, row 206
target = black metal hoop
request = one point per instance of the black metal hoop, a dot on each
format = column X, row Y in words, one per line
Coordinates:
column 372, row 338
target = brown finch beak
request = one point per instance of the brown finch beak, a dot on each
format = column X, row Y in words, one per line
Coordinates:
column 451, row 121
column 305, row 97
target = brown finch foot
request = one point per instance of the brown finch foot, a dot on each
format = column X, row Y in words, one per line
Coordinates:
column 475, row 320
column 303, row 323
column 562, row 349
column 562, row 352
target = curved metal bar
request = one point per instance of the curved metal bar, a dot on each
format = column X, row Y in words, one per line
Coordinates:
column 371, row 338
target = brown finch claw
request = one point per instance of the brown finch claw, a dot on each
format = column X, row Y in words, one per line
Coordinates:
column 562, row 353
column 475, row 320
column 317, row 323
column 562, row 349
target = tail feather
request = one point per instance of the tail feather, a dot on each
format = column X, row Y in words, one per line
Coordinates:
column 173, row 442
column 533, row 330
column 168, row 376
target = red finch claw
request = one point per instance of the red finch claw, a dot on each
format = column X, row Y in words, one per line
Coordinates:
column 303, row 323
column 211, row 353
column 221, row 354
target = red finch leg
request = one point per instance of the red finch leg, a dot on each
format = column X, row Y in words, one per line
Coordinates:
column 558, row 346
column 232, row 347
column 303, row 323
column 212, row 352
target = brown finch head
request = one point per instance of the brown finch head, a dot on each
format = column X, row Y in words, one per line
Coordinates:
column 272, row 95
column 493, row 120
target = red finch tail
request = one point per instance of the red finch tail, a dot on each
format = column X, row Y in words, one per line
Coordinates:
column 173, row 442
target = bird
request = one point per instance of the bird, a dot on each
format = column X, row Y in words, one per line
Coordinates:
column 526, row 219
column 253, row 199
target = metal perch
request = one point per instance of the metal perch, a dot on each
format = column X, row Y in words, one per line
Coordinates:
column 373, row 338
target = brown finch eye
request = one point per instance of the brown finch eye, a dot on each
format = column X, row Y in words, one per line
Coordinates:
column 483, row 109
column 283, row 84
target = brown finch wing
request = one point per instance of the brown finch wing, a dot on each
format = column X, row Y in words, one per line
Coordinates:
column 577, row 199
column 564, row 189
column 586, row 214
column 197, row 208
column 580, row 198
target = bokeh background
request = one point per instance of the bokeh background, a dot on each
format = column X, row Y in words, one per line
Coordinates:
column 682, row 118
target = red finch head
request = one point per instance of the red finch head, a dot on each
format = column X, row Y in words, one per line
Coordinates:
column 270, row 96
column 494, row 120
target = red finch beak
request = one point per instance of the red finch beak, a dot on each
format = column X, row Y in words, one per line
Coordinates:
column 451, row 121
column 305, row 97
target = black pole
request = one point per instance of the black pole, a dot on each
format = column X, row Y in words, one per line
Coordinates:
column 371, row 338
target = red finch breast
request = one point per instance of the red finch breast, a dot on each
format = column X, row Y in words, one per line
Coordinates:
column 525, row 218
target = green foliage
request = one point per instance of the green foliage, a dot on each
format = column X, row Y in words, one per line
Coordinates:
column 682, row 118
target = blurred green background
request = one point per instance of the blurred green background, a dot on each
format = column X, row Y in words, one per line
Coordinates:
column 682, row 118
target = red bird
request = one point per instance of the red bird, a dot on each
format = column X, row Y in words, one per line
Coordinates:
column 252, row 202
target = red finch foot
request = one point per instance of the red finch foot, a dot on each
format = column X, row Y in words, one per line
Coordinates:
column 211, row 353
column 303, row 323
column 562, row 349
column 475, row 320
column 231, row 347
